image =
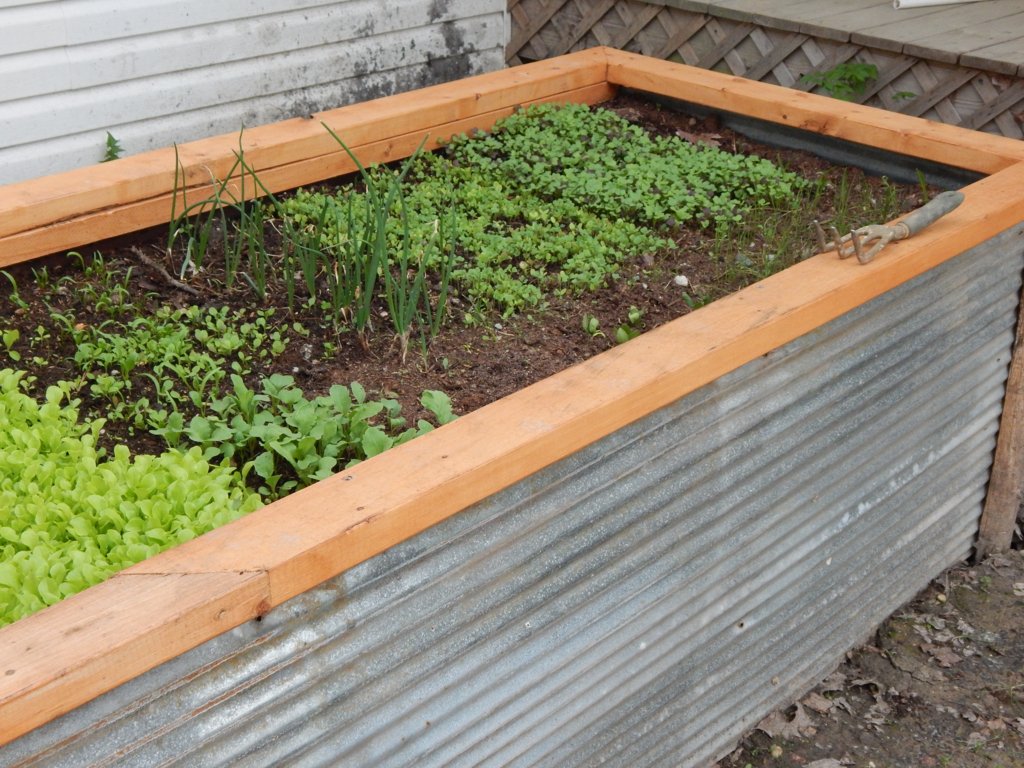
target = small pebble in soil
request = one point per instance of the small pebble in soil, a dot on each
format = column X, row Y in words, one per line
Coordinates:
column 681, row 280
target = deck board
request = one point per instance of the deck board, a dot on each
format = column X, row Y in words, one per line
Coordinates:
column 988, row 34
column 979, row 35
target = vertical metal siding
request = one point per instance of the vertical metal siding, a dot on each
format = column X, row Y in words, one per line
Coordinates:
column 644, row 601
column 155, row 72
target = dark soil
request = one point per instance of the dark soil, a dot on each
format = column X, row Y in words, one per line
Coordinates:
column 475, row 364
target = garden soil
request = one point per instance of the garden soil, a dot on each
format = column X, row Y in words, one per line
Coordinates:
column 941, row 684
column 474, row 364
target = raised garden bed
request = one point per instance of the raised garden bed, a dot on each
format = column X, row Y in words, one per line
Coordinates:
column 248, row 568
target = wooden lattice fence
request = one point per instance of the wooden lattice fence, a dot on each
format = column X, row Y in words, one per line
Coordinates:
column 949, row 93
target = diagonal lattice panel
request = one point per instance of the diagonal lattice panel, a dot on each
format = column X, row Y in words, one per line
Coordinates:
column 944, row 92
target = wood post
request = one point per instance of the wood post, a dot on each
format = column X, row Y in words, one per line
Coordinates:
column 1006, row 483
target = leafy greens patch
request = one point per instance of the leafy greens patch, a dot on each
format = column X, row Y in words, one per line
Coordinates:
column 73, row 517
column 556, row 198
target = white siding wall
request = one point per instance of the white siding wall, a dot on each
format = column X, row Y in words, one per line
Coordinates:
column 155, row 72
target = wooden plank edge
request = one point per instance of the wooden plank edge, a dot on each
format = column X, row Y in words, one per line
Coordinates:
column 1006, row 482
column 342, row 521
column 55, row 661
column 60, row 196
column 913, row 136
column 244, row 569
column 131, row 217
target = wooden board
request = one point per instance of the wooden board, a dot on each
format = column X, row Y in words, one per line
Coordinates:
column 1006, row 484
column 55, row 660
column 130, row 216
column 46, row 207
column 89, row 644
column 864, row 125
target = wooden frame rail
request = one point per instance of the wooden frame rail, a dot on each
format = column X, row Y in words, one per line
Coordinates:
column 66, row 655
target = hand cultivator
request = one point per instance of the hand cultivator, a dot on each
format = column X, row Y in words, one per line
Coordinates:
column 867, row 241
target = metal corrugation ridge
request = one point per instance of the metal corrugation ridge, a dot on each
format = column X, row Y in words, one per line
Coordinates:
column 697, row 644
column 643, row 601
column 538, row 706
column 1001, row 343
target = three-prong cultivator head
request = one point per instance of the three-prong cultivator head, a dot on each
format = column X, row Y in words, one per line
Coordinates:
column 865, row 242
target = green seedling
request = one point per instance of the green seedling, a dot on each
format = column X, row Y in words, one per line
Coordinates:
column 696, row 301
column 631, row 328
column 73, row 516
column 592, row 326
column 113, row 149
column 10, row 338
column 922, row 184
column 14, row 296
column 844, row 81
column 281, row 441
column 105, row 288
column 42, row 279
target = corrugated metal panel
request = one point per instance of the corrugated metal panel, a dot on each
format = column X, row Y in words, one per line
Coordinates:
column 158, row 72
column 640, row 603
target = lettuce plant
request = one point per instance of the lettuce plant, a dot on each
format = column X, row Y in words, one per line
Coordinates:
column 281, row 440
column 73, row 517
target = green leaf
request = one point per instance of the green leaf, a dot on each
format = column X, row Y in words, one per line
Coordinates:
column 439, row 404
column 9, row 575
column 375, row 441
column 263, row 465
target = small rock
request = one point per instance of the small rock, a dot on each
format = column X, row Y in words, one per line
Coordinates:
column 681, row 280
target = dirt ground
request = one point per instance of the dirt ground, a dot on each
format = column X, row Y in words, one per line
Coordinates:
column 941, row 684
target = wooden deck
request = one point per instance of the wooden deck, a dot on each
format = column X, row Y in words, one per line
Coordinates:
column 987, row 35
column 957, row 64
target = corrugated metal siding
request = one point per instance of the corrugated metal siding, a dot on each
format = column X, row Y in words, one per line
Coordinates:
column 641, row 603
column 155, row 72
